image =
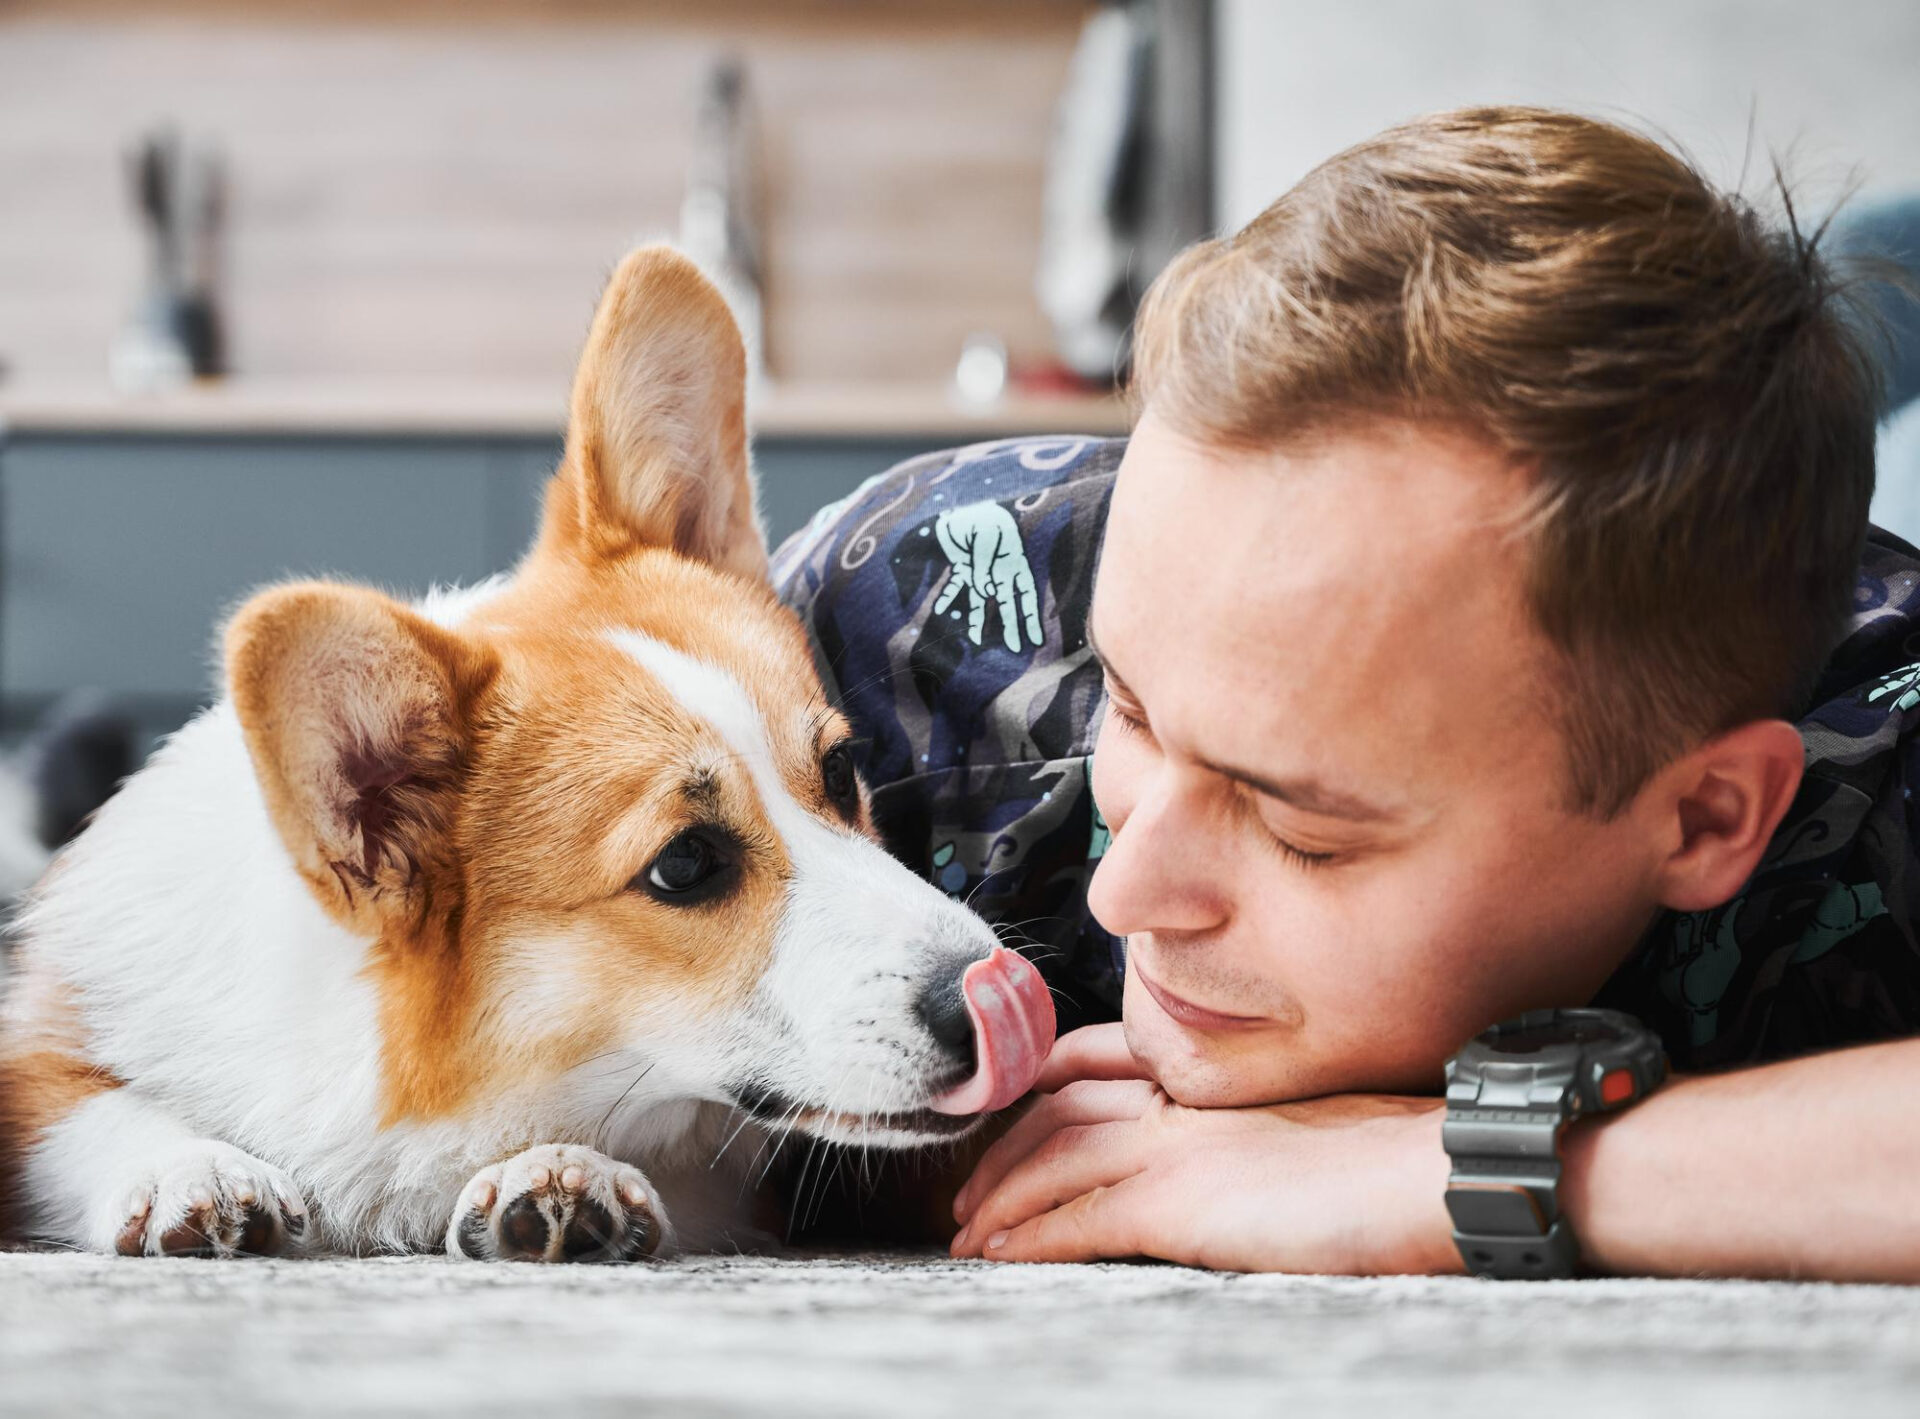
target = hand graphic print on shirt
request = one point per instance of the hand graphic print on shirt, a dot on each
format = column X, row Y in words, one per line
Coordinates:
column 982, row 543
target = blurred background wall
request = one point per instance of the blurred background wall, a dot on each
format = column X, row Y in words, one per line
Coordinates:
column 426, row 187
column 423, row 187
column 1833, row 87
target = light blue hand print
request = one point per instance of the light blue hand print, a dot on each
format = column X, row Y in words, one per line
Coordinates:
column 982, row 541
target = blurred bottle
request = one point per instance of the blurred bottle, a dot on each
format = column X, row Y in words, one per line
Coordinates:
column 175, row 332
column 1129, row 173
column 719, row 217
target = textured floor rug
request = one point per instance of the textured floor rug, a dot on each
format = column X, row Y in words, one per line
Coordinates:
column 920, row 1337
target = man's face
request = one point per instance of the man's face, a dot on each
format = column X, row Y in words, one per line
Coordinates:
column 1333, row 770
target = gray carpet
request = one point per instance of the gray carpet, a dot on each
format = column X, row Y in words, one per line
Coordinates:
column 922, row 1337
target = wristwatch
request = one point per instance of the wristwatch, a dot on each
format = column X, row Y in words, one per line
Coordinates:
column 1509, row 1093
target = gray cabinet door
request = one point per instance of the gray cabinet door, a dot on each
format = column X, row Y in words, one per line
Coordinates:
column 797, row 476
column 119, row 558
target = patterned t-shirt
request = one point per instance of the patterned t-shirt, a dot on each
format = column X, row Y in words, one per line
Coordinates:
column 947, row 600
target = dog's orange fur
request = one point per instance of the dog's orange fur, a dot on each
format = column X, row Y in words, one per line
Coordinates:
column 44, row 1073
column 507, row 805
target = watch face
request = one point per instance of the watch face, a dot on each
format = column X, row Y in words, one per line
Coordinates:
column 1530, row 1039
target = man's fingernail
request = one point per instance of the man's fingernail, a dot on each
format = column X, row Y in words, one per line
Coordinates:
column 996, row 1241
column 960, row 1205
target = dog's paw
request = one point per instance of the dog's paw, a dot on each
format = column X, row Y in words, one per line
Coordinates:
column 557, row 1202
column 209, row 1199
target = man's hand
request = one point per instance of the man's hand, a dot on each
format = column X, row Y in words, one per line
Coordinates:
column 1093, row 1052
column 1109, row 1166
column 1803, row 1168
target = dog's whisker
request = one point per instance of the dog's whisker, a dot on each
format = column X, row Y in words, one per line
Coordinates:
column 806, row 1164
column 739, row 1128
column 600, row 1132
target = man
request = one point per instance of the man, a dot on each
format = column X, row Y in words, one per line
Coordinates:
column 1485, row 622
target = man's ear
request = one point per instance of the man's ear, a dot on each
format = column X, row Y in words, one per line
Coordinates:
column 657, row 433
column 357, row 717
column 1722, row 803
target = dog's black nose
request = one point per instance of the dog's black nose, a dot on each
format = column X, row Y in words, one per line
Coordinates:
column 942, row 1008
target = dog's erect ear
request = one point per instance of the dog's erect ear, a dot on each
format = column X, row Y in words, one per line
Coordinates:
column 657, row 433
column 357, row 714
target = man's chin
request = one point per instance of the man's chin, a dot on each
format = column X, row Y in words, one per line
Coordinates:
column 1207, row 1071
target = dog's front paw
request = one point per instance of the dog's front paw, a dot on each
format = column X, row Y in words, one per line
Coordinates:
column 210, row 1199
column 557, row 1202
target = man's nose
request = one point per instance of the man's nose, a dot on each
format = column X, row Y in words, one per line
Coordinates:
column 1161, row 869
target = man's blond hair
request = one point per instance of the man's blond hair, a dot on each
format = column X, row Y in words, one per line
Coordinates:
column 1683, row 376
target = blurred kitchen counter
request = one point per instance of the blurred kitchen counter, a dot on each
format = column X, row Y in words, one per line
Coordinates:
column 427, row 409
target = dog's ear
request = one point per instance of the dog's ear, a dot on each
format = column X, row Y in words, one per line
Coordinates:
column 657, row 433
column 357, row 714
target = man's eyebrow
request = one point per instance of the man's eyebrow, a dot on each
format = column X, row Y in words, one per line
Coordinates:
column 1105, row 664
column 1309, row 795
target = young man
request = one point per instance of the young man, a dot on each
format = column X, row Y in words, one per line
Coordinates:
column 1486, row 621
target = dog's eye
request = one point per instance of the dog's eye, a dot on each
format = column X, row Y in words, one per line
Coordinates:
column 684, row 865
column 837, row 777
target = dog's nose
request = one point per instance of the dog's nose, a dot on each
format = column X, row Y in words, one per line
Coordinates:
column 942, row 1008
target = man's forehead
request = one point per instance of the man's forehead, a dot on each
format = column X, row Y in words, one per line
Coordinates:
column 1428, row 497
column 1329, row 593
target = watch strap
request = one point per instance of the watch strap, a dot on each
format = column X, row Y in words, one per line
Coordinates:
column 1504, row 1194
column 1505, row 1114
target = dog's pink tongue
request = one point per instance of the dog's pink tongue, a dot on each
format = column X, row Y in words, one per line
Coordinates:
column 1013, row 1023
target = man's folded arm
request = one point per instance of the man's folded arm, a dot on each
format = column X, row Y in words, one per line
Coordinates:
column 1806, row 1168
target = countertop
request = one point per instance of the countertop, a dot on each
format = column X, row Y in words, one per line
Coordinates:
column 427, row 408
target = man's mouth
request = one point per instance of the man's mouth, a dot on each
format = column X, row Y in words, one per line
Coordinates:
column 1191, row 1014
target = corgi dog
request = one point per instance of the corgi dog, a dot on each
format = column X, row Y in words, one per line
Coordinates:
column 482, row 923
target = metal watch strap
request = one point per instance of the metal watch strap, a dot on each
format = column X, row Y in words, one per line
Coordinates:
column 1503, row 1134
